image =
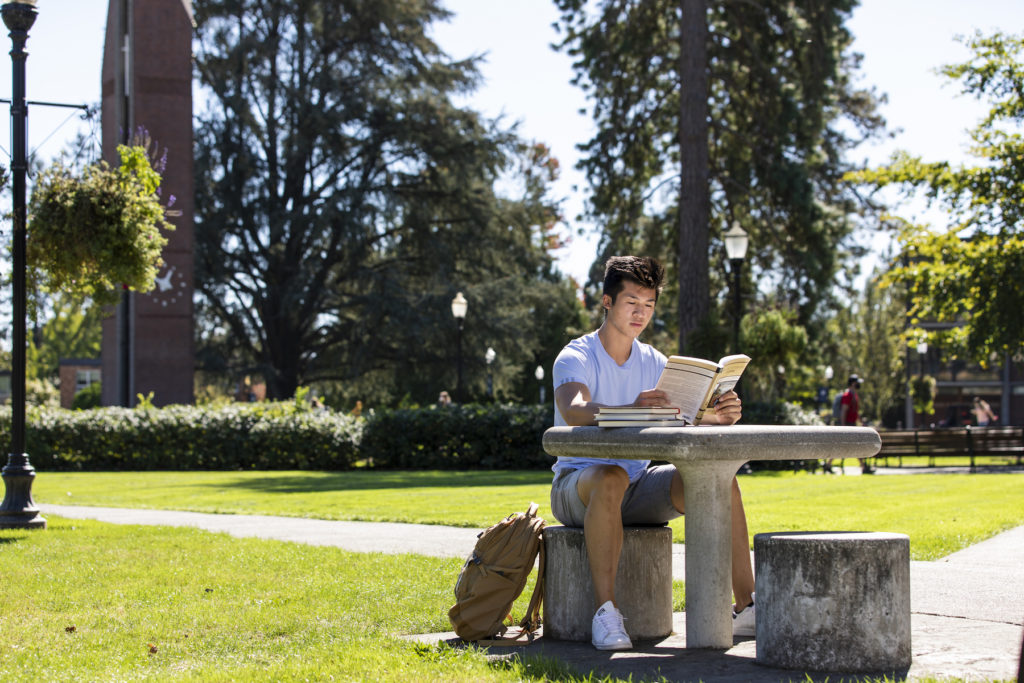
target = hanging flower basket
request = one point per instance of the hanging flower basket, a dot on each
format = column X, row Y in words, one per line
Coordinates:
column 100, row 232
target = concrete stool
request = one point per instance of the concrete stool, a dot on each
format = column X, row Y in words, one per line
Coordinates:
column 833, row 601
column 643, row 585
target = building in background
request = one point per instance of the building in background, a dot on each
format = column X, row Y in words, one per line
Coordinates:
column 148, row 342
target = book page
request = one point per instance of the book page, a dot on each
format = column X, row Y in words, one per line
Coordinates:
column 686, row 381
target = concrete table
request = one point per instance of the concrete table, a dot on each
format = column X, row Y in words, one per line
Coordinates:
column 708, row 458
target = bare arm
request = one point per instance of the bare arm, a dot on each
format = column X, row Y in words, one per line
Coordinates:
column 574, row 403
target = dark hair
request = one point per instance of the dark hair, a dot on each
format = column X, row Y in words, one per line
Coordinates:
column 640, row 270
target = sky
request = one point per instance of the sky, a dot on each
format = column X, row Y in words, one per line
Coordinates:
column 903, row 42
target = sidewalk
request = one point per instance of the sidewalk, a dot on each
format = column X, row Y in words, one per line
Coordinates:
column 967, row 609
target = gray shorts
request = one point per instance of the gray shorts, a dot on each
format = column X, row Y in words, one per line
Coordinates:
column 648, row 500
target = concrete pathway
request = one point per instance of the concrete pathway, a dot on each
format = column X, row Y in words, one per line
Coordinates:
column 967, row 609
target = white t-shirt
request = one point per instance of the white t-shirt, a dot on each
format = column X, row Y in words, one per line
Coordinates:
column 585, row 360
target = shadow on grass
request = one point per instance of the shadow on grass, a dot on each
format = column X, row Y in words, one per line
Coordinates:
column 378, row 479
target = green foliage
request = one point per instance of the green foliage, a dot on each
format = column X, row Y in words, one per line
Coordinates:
column 783, row 112
column 866, row 338
column 283, row 435
column 41, row 392
column 73, row 329
column 773, row 339
column 343, row 198
column 922, row 392
column 239, row 436
column 458, row 437
column 969, row 273
column 88, row 398
column 972, row 282
column 93, row 234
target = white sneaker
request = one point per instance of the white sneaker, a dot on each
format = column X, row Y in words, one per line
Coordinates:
column 607, row 629
column 744, row 622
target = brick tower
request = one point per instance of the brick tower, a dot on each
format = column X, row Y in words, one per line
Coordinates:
column 147, row 84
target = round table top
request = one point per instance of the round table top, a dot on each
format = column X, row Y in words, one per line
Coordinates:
column 736, row 442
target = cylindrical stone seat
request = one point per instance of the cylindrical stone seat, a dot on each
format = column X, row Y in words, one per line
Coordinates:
column 643, row 584
column 833, row 601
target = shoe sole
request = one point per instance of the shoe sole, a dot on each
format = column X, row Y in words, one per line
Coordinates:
column 605, row 648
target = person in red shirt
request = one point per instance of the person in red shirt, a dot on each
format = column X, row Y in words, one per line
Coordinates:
column 849, row 415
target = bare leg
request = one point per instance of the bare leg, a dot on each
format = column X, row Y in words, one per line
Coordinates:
column 742, row 572
column 601, row 489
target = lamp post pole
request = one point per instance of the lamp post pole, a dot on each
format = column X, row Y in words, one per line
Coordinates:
column 539, row 374
column 922, row 353
column 17, row 509
column 735, row 239
column 489, row 358
column 459, row 307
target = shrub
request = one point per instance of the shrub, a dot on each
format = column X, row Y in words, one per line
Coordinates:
column 87, row 398
column 501, row 436
column 240, row 436
column 780, row 413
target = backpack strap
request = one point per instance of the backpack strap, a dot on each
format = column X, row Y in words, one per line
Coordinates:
column 531, row 621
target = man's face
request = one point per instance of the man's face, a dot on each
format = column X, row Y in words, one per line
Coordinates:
column 632, row 310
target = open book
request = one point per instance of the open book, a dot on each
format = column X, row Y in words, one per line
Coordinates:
column 694, row 384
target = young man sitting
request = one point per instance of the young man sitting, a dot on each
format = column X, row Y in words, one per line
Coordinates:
column 611, row 367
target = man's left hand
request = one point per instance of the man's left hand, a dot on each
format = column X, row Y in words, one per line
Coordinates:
column 728, row 408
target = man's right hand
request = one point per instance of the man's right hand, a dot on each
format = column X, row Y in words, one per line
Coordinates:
column 652, row 398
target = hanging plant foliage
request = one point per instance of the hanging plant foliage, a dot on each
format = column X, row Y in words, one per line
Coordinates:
column 98, row 233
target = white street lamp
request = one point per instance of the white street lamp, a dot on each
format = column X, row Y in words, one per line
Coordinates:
column 735, row 239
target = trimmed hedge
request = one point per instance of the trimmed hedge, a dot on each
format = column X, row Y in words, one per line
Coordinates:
column 458, row 437
column 239, row 436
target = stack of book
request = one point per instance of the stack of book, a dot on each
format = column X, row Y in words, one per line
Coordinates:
column 639, row 417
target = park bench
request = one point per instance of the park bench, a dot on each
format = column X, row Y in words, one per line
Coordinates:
column 969, row 442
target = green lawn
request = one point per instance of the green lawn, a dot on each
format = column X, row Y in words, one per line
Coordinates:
column 90, row 601
column 942, row 513
column 86, row 601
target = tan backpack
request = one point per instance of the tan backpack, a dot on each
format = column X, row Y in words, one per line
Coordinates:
column 493, row 577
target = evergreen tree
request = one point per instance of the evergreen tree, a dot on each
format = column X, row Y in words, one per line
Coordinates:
column 343, row 199
column 714, row 114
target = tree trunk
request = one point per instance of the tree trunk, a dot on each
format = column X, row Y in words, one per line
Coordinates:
column 694, row 203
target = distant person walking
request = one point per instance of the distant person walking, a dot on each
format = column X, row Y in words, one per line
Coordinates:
column 849, row 416
column 983, row 414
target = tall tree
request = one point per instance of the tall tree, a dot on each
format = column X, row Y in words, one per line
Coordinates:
column 343, row 198
column 968, row 272
column 781, row 112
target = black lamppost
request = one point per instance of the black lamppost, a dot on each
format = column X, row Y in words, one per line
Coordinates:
column 736, row 249
column 539, row 374
column 489, row 358
column 17, row 509
column 459, row 306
